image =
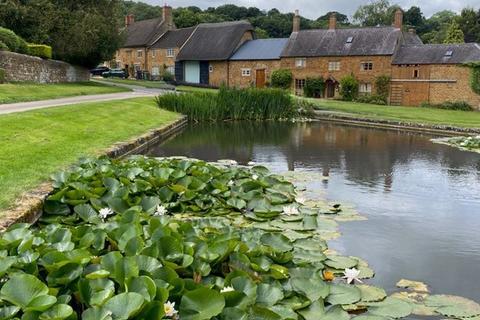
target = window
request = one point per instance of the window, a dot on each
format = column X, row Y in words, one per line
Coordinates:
column 299, row 85
column 449, row 53
column 246, row 72
column 155, row 71
column 416, row 73
column 210, row 68
column 154, row 53
column 301, row 62
column 334, row 66
column 365, row 66
column 171, row 70
column 349, row 39
column 139, row 53
column 170, row 52
column 365, row 88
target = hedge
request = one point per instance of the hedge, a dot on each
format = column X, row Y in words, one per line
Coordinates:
column 12, row 41
column 282, row 78
column 3, row 46
column 40, row 50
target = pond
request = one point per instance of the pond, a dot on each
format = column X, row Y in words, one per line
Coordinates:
column 421, row 199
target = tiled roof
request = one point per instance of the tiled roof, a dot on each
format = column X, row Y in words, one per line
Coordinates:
column 438, row 54
column 261, row 49
column 144, row 33
column 347, row 42
column 173, row 38
column 214, row 41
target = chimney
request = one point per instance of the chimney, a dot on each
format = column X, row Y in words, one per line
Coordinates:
column 332, row 22
column 167, row 15
column 296, row 21
column 129, row 19
column 398, row 22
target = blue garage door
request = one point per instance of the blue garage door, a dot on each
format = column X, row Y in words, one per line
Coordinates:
column 192, row 72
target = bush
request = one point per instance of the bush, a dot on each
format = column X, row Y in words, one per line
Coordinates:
column 167, row 76
column 282, row 79
column 40, row 50
column 3, row 46
column 231, row 104
column 2, row 75
column 382, row 85
column 373, row 99
column 12, row 41
column 349, row 88
column 314, row 87
column 449, row 105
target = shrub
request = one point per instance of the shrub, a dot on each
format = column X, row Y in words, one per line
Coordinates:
column 40, row 50
column 167, row 76
column 449, row 105
column 3, row 46
column 282, row 79
column 231, row 104
column 314, row 87
column 373, row 99
column 349, row 88
column 382, row 85
column 2, row 75
column 12, row 41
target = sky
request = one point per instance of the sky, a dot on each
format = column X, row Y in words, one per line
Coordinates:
column 315, row 8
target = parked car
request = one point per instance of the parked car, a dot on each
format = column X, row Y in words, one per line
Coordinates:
column 98, row 71
column 114, row 73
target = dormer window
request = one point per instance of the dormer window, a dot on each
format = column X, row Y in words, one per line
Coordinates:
column 349, row 39
column 449, row 53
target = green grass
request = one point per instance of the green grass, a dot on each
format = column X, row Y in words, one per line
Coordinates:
column 141, row 83
column 404, row 114
column 195, row 89
column 21, row 92
column 36, row 144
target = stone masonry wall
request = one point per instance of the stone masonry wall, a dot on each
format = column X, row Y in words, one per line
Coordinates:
column 20, row 67
column 235, row 72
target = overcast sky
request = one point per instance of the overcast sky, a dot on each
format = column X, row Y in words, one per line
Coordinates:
column 315, row 8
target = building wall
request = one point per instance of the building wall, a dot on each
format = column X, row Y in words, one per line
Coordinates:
column 318, row 66
column 436, row 84
column 235, row 72
column 158, row 58
column 20, row 67
column 129, row 57
column 218, row 73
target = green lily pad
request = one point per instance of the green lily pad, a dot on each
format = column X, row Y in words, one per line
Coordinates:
column 453, row 306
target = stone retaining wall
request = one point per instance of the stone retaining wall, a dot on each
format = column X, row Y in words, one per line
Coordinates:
column 20, row 67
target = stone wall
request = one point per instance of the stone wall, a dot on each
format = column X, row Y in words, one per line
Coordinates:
column 20, row 67
column 219, row 73
column 236, row 79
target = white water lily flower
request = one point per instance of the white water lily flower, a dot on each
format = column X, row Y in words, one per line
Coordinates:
column 169, row 308
column 161, row 211
column 251, row 163
column 231, row 183
column 105, row 212
column 301, row 200
column 352, row 275
column 227, row 289
column 255, row 177
column 290, row 210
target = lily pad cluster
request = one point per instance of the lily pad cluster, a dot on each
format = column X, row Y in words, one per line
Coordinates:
column 184, row 239
column 464, row 143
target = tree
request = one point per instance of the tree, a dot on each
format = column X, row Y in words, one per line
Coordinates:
column 454, row 34
column 322, row 22
column 469, row 22
column 376, row 13
column 437, row 26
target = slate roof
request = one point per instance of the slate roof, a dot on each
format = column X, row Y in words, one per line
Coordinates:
column 173, row 38
column 214, row 41
column 365, row 41
column 437, row 54
column 261, row 49
column 144, row 33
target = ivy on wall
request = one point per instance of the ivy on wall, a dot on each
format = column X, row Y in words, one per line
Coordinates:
column 475, row 76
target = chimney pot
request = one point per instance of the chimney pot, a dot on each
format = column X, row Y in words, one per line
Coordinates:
column 398, row 21
column 332, row 22
column 296, row 21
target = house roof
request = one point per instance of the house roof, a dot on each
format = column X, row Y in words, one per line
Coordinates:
column 438, row 54
column 347, row 42
column 144, row 33
column 173, row 38
column 214, row 41
column 261, row 49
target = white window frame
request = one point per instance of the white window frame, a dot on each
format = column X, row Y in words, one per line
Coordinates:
column 171, row 70
column 366, row 66
column 155, row 71
column 170, row 52
column 334, row 66
column 365, row 88
column 139, row 53
column 300, row 62
column 210, row 68
column 246, row 72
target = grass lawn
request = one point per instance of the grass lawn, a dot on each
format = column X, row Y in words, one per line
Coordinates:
column 20, row 92
column 404, row 114
column 141, row 83
column 195, row 89
column 37, row 143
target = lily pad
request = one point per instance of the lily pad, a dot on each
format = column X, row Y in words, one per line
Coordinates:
column 391, row 307
column 453, row 306
column 413, row 285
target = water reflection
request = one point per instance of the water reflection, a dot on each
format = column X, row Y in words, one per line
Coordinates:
column 422, row 199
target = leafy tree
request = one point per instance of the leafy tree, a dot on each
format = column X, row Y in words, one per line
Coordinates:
column 469, row 22
column 261, row 34
column 349, row 88
column 414, row 18
column 376, row 13
column 454, row 34
column 282, row 78
column 140, row 10
column 322, row 22
column 437, row 26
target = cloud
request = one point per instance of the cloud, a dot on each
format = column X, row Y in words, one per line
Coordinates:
column 316, row 8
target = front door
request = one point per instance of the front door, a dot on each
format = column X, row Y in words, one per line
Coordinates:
column 260, row 78
column 330, row 89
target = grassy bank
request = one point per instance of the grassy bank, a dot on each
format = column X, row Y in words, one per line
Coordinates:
column 404, row 114
column 196, row 89
column 140, row 83
column 21, row 92
column 37, row 143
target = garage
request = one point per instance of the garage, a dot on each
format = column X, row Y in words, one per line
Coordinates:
column 192, row 71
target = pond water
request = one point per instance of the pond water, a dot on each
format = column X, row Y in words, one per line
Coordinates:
column 422, row 200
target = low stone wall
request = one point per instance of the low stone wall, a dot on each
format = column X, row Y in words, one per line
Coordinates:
column 20, row 67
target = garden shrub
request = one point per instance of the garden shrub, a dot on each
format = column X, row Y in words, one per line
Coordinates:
column 3, row 46
column 314, row 87
column 449, row 105
column 372, row 98
column 382, row 85
column 231, row 104
column 40, row 50
column 349, row 88
column 475, row 78
column 12, row 41
column 167, row 76
column 282, row 79
column 2, row 75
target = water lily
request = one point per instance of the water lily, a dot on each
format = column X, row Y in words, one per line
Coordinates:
column 352, row 275
column 301, row 200
column 255, row 177
column 105, row 212
column 161, row 211
column 231, row 183
column 290, row 210
column 169, row 308
column 251, row 163
column 227, row 289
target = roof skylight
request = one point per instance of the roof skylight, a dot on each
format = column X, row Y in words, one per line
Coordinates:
column 349, row 39
column 449, row 53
